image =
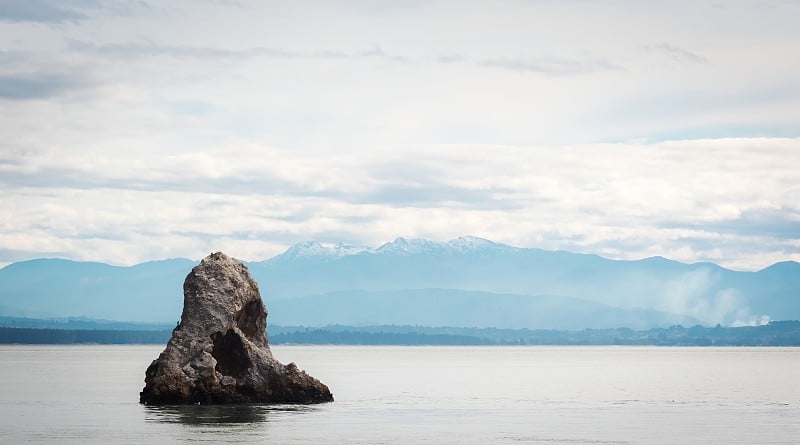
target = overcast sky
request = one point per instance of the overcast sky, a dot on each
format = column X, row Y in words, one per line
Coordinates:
column 138, row 130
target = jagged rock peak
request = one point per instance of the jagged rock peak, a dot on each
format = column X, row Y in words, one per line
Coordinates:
column 219, row 352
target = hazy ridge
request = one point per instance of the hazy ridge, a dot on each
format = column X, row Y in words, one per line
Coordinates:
column 467, row 282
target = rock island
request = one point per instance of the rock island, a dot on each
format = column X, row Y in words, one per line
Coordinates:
column 219, row 352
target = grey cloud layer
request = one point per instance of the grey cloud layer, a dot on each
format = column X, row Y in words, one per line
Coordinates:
column 39, row 86
column 47, row 11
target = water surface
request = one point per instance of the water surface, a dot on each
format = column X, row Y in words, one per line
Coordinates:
column 390, row 395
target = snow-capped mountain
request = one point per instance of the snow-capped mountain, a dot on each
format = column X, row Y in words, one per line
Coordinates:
column 460, row 245
column 322, row 251
column 403, row 246
column 313, row 250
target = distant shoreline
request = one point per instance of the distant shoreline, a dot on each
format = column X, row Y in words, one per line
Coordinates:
column 779, row 333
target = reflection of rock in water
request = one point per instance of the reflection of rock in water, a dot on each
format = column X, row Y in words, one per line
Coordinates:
column 219, row 352
column 217, row 414
column 207, row 414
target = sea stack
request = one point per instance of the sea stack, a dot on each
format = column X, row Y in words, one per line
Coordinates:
column 219, row 352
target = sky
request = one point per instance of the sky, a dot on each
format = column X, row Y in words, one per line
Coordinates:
column 141, row 130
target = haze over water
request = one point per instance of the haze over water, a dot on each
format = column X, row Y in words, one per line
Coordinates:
column 88, row 394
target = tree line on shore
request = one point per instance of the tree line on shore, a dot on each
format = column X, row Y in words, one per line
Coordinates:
column 779, row 333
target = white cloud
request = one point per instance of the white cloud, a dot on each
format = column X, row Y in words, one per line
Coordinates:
column 683, row 200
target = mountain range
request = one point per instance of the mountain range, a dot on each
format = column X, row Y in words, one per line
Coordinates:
column 468, row 281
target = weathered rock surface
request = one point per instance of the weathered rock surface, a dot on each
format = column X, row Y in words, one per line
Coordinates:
column 219, row 352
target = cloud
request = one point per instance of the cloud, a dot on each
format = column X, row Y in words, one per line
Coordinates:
column 46, row 11
column 554, row 66
column 390, row 183
column 377, row 52
column 769, row 221
column 675, row 53
column 149, row 49
column 432, row 195
column 634, row 201
column 338, row 75
column 38, row 85
column 451, row 58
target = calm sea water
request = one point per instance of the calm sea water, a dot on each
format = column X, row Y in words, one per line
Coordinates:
column 394, row 395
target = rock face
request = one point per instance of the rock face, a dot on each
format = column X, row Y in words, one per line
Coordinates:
column 219, row 352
